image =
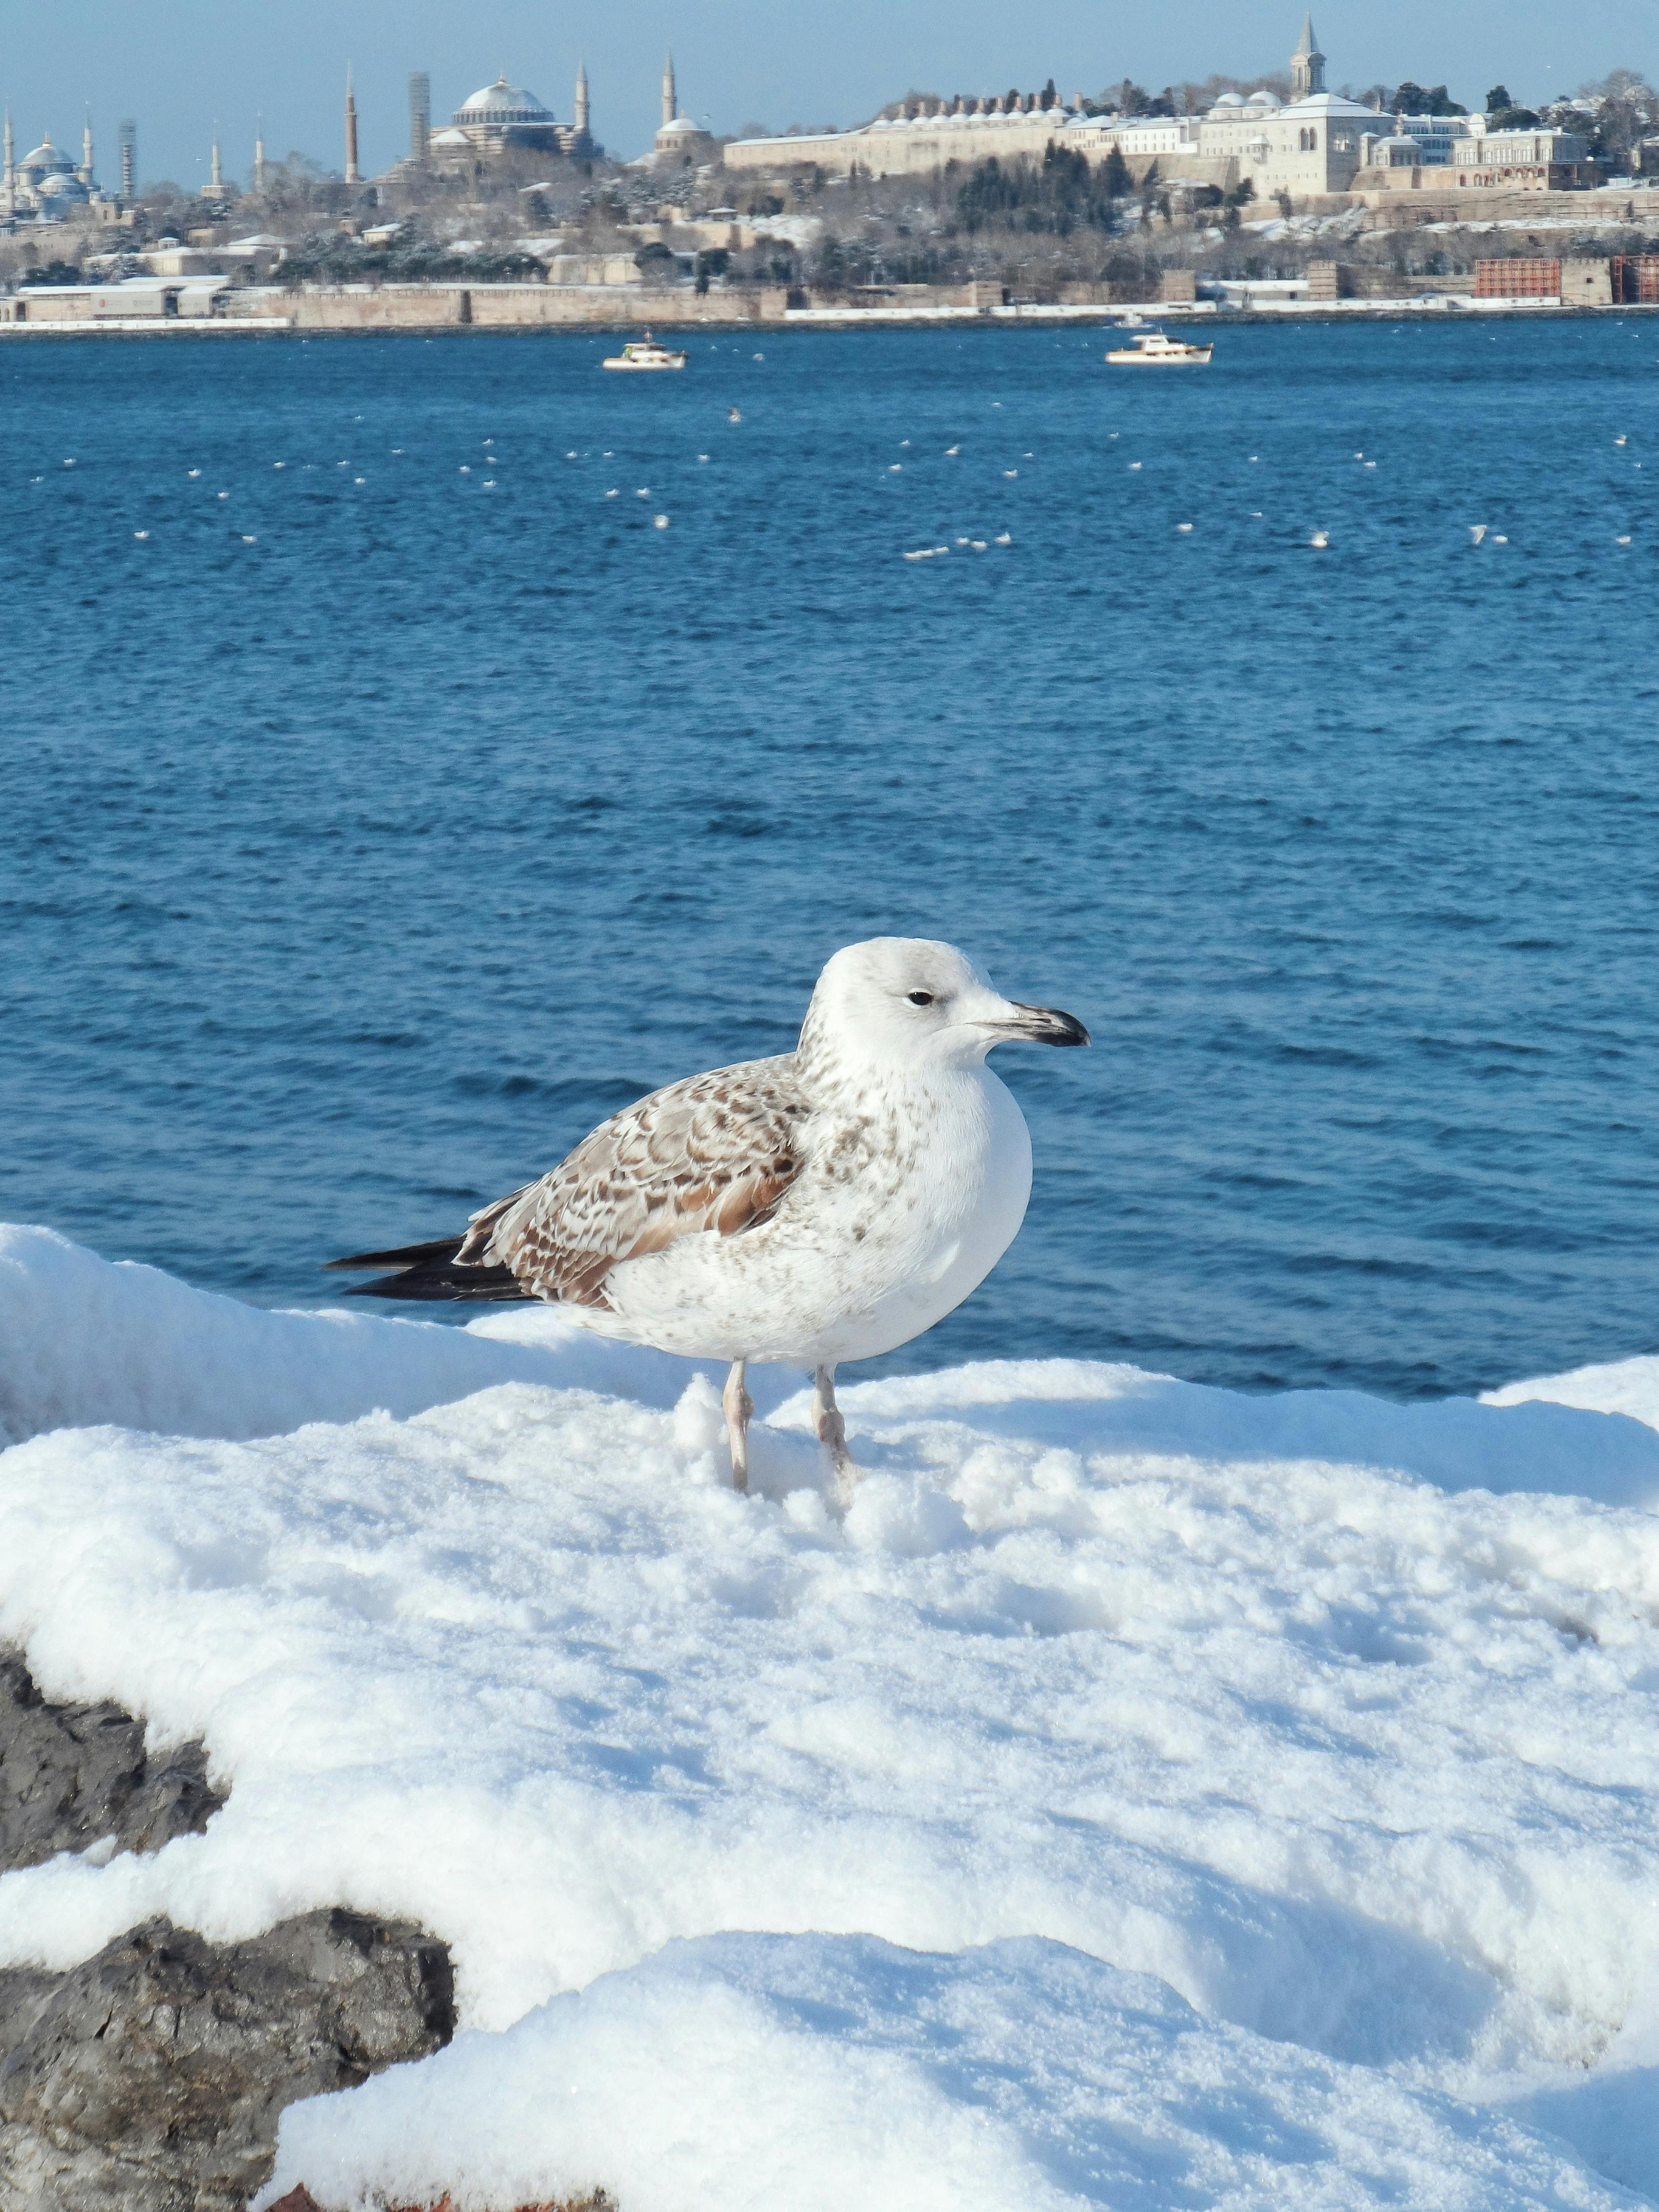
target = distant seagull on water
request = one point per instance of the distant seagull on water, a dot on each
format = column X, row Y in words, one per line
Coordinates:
column 825, row 1204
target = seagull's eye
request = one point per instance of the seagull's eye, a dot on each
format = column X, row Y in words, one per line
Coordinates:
column 920, row 998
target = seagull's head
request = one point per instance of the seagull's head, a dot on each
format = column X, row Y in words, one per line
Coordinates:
column 914, row 1002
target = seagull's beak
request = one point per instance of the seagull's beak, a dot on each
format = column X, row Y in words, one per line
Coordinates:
column 1037, row 1025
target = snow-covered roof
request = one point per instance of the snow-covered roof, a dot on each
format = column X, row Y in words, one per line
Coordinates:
column 503, row 102
column 47, row 156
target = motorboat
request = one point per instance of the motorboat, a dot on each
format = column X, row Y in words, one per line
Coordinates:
column 1158, row 346
column 644, row 353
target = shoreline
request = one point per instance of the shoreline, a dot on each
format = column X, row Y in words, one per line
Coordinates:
column 957, row 318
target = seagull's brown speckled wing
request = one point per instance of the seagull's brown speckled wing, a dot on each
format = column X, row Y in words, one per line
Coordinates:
column 717, row 1151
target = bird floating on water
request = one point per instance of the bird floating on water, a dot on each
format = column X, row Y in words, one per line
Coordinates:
column 825, row 1204
column 1320, row 540
column 733, row 414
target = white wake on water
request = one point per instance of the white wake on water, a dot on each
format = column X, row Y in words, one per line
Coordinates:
column 1145, row 1796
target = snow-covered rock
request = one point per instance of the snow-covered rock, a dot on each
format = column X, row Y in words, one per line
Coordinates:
column 1251, row 1801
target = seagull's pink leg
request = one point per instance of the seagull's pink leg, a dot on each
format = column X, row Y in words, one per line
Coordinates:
column 832, row 1429
column 738, row 1406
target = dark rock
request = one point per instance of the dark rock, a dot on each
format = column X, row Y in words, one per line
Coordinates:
column 150, row 2078
column 74, row 1775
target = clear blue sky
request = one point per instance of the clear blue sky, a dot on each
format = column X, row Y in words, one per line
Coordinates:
column 176, row 66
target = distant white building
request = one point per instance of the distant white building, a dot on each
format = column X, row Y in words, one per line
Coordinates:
column 1314, row 145
column 1460, row 150
column 1309, row 145
column 927, row 135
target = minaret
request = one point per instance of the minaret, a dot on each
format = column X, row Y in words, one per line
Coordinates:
column 260, row 155
column 216, row 174
column 420, row 117
column 129, row 160
column 9, row 177
column 1307, row 64
column 670, row 99
column 351, row 175
column 84, row 172
column 582, row 100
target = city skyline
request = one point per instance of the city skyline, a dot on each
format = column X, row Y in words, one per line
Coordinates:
column 738, row 63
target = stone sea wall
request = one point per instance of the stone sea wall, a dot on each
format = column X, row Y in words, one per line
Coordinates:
column 499, row 306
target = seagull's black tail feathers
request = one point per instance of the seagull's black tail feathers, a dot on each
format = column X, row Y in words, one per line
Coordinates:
column 431, row 1270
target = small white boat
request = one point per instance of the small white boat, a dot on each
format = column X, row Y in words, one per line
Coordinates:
column 1157, row 346
column 644, row 353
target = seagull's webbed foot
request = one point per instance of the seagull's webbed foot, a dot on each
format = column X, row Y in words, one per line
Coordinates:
column 739, row 1408
column 832, row 1429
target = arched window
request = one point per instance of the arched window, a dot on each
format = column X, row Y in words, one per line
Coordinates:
column 1313, row 142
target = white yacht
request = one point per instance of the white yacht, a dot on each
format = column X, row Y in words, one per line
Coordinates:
column 644, row 353
column 1158, row 346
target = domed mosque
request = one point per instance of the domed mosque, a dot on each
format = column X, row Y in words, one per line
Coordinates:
column 501, row 115
column 47, row 184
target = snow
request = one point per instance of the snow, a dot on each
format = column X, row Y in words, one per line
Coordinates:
column 1261, row 1793
column 800, row 231
column 1018, row 2074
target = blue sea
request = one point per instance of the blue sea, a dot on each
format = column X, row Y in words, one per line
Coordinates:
column 385, row 801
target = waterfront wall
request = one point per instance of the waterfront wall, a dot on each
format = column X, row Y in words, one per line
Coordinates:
column 498, row 306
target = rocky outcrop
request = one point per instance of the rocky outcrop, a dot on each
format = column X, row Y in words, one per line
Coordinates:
column 150, row 2078
column 71, row 1776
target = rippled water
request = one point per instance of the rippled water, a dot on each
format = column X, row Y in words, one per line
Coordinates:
column 352, row 873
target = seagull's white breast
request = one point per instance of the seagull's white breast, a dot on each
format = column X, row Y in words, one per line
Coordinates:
column 915, row 1186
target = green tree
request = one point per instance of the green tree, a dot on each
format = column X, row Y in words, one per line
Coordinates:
column 1412, row 98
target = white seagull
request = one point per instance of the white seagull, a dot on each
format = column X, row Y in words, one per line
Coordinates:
column 825, row 1204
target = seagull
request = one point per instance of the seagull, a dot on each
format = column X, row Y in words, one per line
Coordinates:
column 825, row 1204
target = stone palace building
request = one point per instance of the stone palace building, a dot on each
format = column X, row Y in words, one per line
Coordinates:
column 1316, row 144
